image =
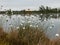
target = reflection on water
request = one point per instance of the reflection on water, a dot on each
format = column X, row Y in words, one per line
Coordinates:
column 51, row 26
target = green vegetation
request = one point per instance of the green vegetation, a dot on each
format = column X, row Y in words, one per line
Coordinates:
column 42, row 9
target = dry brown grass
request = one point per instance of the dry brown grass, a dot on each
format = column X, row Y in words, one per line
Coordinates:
column 27, row 36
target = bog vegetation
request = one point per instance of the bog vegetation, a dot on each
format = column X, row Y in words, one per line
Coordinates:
column 26, row 36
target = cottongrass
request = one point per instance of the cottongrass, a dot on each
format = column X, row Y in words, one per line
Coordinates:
column 27, row 36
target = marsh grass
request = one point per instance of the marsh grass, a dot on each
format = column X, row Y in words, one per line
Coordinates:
column 27, row 36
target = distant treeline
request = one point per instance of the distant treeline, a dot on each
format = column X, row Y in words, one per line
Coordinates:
column 42, row 9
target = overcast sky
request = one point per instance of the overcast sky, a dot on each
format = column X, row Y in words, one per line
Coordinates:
column 25, row 4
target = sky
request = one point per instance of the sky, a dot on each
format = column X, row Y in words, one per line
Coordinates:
column 28, row 4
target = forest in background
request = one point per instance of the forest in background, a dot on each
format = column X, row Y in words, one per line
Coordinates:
column 42, row 9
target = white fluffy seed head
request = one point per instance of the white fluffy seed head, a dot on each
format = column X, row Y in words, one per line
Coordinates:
column 30, row 25
column 23, row 27
column 51, row 15
column 44, row 19
column 37, row 26
column 57, row 35
column 17, row 27
column 29, row 21
column 41, row 14
column 50, row 27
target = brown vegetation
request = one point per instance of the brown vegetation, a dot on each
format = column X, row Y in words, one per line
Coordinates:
column 27, row 36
